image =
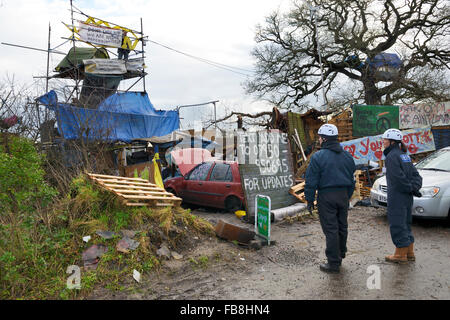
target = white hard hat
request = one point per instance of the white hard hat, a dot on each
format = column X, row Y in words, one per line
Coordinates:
column 393, row 134
column 328, row 130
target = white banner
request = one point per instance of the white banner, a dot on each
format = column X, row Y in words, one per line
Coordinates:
column 104, row 66
column 135, row 65
column 425, row 114
column 100, row 35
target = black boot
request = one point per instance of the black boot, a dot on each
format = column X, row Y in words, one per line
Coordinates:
column 342, row 257
column 326, row 267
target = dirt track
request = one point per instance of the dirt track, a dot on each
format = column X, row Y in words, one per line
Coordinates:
column 289, row 269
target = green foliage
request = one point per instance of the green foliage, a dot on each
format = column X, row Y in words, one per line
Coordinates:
column 22, row 185
column 44, row 237
column 200, row 262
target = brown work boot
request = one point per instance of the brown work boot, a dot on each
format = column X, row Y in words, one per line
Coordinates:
column 400, row 255
column 410, row 255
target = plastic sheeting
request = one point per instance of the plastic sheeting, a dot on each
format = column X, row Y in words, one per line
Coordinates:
column 385, row 59
column 187, row 159
column 121, row 117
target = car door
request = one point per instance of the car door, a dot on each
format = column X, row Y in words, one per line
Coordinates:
column 219, row 184
column 195, row 189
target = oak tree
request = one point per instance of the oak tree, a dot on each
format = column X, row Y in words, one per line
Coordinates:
column 351, row 35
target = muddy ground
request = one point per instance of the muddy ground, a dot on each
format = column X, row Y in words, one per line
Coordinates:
column 290, row 268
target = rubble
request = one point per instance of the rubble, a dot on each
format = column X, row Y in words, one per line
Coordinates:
column 106, row 234
column 92, row 255
column 126, row 245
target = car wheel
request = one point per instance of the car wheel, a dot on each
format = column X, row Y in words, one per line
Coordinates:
column 232, row 204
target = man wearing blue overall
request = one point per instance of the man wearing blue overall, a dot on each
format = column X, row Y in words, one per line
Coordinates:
column 403, row 181
column 331, row 172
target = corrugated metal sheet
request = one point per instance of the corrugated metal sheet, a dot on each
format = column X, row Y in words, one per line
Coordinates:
column 295, row 121
column 441, row 136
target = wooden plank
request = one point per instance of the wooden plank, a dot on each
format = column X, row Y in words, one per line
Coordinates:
column 137, row 204
column 116, row 177
column 144, row 192
column 273, row 180
column 127, row 186
column 298, row 187
column 151, row 197
column 164, row 204
column 125, row 182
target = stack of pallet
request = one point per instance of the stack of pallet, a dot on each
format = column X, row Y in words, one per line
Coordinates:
column 363, row 185
column 343, row 121
column 298, row 191
column 135, row 192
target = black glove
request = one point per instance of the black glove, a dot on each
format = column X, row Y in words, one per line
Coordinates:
column 310, row 206
column 417, row 194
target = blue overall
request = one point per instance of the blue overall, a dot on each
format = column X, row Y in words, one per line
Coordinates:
column 330, row 172
column 402, row 179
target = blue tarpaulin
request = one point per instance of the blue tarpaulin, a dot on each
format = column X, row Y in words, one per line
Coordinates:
column 122, row 116
column 385, row 59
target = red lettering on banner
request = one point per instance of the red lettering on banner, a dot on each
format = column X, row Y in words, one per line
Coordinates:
column 351, row 149
column 417, row 134
column 412, row 148
column 366, row 147
column 426, row 136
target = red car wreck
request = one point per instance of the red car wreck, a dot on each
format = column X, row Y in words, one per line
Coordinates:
column 210, row 183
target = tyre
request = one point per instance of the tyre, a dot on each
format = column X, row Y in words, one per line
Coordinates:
column 232, row 204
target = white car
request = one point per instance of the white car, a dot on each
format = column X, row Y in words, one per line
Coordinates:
column 435, row 200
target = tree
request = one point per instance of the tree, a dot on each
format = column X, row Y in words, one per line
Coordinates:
column 349, row 33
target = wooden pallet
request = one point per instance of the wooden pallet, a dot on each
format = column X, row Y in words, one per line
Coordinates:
column 298, row 191
column 135, row 192
column 362, row 188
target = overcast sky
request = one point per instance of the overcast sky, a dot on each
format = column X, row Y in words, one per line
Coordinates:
column 221, row 31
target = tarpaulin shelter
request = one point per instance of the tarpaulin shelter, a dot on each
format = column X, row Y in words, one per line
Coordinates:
column 124, row 116
column 101, row 75
column 385, row 66
column 75, row 57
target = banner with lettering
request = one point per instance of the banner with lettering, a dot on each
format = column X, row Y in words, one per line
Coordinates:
column 370, row 148
column 104, row 66
column 426, row 114
column 100, row 35
column 373, row 120
column 266, row 168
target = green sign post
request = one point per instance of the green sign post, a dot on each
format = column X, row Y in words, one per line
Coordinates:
column 262, row 217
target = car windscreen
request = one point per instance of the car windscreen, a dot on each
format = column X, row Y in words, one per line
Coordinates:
column 439, row 161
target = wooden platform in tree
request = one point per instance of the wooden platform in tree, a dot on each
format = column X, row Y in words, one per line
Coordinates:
column 135, row 192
